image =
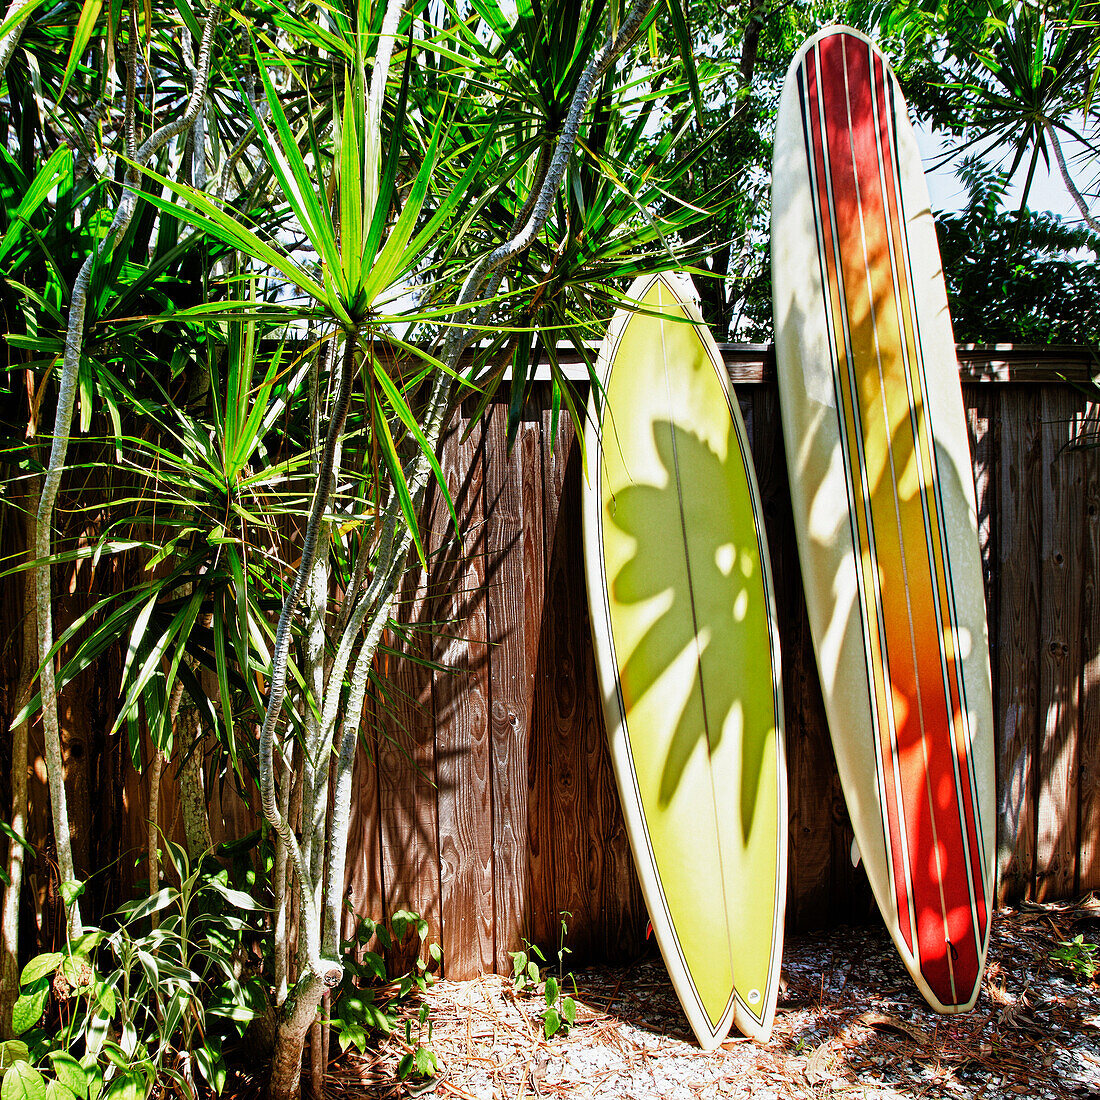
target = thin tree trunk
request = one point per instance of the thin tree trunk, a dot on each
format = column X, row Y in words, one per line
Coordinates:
column 11, row 39
column 287, row 786
column 196, row 813
column 316, row 1059
column 156, row 772
column 299, row 1012
column 324, row 972
column 74, row 340
column 1067, row 179
column 9, row 923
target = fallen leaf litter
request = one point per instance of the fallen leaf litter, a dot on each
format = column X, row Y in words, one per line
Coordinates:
column 849, row 1024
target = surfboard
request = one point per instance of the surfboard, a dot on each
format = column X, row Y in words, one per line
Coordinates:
column 687, row 653
column 883, row 495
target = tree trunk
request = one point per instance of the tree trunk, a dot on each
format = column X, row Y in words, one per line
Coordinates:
column 297, row 1017
column 9, row 923
column 156, row 771
column 196, row 814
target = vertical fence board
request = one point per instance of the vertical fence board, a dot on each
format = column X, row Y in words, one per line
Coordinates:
column 982, row 414
column 1088, row 859
column 982, row 407
column 819, row 870
column 1016, row 643
column 363, row 878
column 513, row 510
column 406, row 769
column 461, row 705
column 1059, row 650
column 557, row 771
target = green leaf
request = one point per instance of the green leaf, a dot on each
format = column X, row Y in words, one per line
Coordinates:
column 23, row 1082
column 128, row 1085
column 28, row 1009
column 397, row 402
column 85, row 28
column 426, row 1064
column 137, row 633
column 237, row 898
column 401, row 487
column 40, row 966
column 393, row 258
column 85, row 944
column 55, row 1090
column 211, row 1066
column 69, row 1072
column 70, row 891
column 106, row 998
column 350, row 1033
column 687, row 52
column 19, row 15
column 551, row 1022
column 58, row 165
column 352, row 171
column 296, row 179
column 550, row 993
column 210, row 219
column 12, row 1051
column 569, row 1010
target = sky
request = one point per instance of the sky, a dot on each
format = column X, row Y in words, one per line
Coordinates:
column 948, row 194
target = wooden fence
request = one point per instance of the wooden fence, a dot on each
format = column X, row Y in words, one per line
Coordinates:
column 492, row 806
column 488, row 802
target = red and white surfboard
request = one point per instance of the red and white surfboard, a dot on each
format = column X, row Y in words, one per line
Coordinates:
column 883, row 493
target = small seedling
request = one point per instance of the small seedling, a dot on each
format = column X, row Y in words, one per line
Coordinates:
column 560, row 1012
column 420, row 1061
column 527, row 968
column 1079, row 957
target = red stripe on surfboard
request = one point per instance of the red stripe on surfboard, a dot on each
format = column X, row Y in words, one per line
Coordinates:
column 825, row 187
column 926, row 714
column 954, row 674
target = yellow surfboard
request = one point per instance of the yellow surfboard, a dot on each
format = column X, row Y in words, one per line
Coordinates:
column 687, row 650
column 883, row 495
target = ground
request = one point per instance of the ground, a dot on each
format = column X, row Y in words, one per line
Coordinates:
column 849, row 1024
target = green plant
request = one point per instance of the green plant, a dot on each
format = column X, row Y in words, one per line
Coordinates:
column 117, row 1011
column 368, row 1001
column 1080, row 958
column 560, row 1012
column 419, row 1060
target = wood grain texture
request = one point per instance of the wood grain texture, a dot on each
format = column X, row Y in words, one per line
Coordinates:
column 558, row 829
column 982, row 416
column 460, row 695
column 982, row 404
column 558, row 793
column 363, row 876
column 514, row 578
column 586, row 876
column 1015, row 647
column 1059, row 647
column 406, row 769
column 1088, row 815
column 819, row 870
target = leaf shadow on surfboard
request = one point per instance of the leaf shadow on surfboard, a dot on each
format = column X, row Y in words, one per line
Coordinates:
column 718, row 603
column 687, row 652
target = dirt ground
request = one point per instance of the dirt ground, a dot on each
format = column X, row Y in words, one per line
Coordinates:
column 849, row 1024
